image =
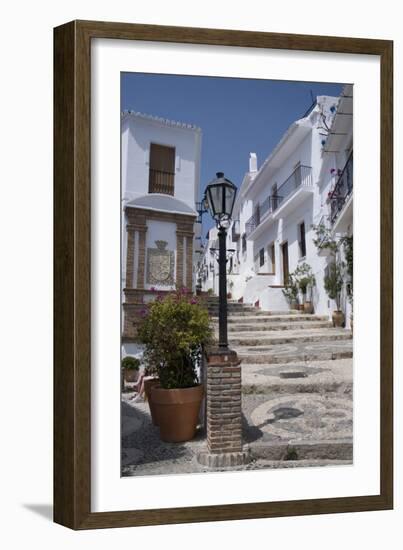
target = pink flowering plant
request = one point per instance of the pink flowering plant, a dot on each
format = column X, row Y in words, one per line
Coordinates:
column 174, row 329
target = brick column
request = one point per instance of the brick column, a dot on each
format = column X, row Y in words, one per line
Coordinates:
column 142, row 257
column 130, row 258
column 224, row 411
column 179, row 258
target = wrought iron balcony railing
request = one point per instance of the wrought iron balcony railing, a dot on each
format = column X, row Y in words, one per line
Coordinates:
column 342, row 190
column 302, row 175
column 270, row 204
column 161, row 181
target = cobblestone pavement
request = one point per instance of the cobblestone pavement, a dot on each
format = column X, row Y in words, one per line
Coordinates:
column 287, row 427
column 297, row 380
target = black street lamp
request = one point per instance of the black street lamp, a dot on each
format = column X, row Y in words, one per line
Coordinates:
column 220, row 198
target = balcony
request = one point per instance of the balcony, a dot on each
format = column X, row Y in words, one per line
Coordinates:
column 288, row 196
column 262, row 211
column 342, row 192
column 161, row 181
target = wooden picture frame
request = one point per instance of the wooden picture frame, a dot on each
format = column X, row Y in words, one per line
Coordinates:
column 72, row 270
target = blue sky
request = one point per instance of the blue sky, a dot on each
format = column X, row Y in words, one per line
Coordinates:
column 237, row 116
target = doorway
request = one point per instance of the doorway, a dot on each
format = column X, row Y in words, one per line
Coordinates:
column 284, row 253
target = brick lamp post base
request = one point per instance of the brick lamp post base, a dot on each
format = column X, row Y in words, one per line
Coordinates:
column 224, row 411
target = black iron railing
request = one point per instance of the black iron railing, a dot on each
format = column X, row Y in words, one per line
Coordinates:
column 161, row 181
column 342, row 190
column 302, row 175
column 267, row 206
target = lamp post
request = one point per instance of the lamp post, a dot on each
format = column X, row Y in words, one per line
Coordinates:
column 220, row 198
column 223, row 380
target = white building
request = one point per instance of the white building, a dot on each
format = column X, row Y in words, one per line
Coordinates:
column 207, row 265
column 160, row 188
column 278, row 203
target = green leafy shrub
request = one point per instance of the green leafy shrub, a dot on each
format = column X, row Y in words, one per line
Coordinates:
column 174, row 329
column 333, row 281
column 291, row 290
column 304, row 278
column 131, row 363
column 324, row 238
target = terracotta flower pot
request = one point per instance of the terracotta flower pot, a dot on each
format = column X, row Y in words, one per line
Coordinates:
column 338, row 318
column 131, row 375
column 294, row 305
column 308, row 307
column 149, row 383
column 177, row 411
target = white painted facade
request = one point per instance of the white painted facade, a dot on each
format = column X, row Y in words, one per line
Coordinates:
column 138, row 132
column 304, row 167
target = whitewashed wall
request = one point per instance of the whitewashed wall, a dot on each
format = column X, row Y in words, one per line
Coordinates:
column 137, row 134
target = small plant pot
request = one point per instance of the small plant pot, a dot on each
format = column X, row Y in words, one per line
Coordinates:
column 338, row 318
column 177, row 412
column 294, row 305
column 148, row 385
column 308, row 307
column 131, row 375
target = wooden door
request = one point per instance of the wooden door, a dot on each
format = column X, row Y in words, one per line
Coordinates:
column 162, row 169
column 286, row 272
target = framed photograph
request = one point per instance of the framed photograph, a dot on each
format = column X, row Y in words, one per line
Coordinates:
column 223, row 260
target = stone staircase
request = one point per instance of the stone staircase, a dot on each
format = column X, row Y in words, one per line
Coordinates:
column 296, row 383
column 261, row 337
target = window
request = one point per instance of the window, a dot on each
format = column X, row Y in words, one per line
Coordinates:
column 301, row 239
column 272, row 258
column 261, row 257
column 162, row 169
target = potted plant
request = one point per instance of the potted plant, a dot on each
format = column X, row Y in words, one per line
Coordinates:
column 305, row 280
column 174, row 331
column 231, row 286
column 333, row 283
column 130, row 366
column 291, row 292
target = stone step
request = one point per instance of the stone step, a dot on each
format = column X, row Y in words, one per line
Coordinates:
column 266, row 464
column 289, row 337
column 324, row 350
column 300, row 452
column 316, row 377
column 272, row 318
column 235, row 309
column 298, row 426
column 270, row 327
column 278, row 317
